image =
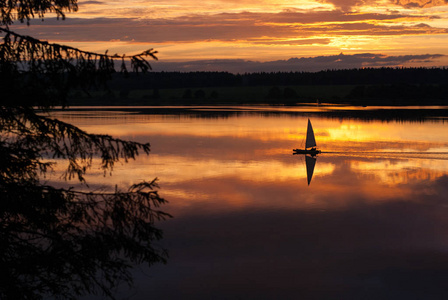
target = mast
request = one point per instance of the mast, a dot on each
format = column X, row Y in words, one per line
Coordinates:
column 310, row 140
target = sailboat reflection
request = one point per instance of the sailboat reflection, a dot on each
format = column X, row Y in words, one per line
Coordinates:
column 310, row 152
column 310, row 163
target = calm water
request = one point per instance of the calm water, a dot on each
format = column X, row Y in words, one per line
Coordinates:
column 372, row 224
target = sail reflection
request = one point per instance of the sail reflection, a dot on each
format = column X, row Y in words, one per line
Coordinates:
column 310, row 163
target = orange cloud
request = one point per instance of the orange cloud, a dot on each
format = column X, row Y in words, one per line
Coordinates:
column 253, row 30
column 348, row 5
column 275, row 28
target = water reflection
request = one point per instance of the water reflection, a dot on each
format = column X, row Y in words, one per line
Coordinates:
column 64, row 242
column 373, row 224
column 233, row 159
column 310, row 163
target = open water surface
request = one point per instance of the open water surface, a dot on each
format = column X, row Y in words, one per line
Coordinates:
column 372, row 224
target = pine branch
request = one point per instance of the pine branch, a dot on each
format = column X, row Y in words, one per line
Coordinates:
column 25, row 10
column 42, row 73
column 45, row 57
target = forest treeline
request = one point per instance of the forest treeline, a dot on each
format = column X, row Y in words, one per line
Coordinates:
column 365, row 76
column 367, row 86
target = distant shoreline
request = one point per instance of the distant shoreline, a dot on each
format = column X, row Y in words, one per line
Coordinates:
column 372, row 113
column 360, row 87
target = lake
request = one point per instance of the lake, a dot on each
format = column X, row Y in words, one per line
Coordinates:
column 371, row 224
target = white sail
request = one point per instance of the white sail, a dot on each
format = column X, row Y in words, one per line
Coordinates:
column 310, row 140
column 310, row 163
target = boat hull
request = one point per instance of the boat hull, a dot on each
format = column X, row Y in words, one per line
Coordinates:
column 312, row 152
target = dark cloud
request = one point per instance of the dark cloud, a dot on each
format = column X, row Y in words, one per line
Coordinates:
column 318, row 63
column 322, row 41
column 420, row 3
column 284, row 17
column 91, row 2
column 348, row 5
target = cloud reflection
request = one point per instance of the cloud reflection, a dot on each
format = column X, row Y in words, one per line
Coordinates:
column 246, row 224
column 392, row 249
column 235, row 162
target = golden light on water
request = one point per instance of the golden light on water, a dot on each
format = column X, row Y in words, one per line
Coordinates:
column 247, row 214
column 235, row 162
column 403, row 171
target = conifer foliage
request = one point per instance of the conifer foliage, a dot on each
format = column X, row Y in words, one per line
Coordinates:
column 62, row 242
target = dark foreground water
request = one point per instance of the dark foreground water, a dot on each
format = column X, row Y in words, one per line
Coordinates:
column 372, row 224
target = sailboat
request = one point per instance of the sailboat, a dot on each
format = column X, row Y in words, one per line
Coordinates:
column 310, row 143
column 310, row 152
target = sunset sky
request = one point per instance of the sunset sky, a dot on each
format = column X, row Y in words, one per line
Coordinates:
column 265, row 34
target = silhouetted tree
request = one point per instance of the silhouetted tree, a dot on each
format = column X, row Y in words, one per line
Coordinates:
column 188, row 94
column 357, row 92
column 63, row 242
column 124, row 93
column 155, row 93
column 274, row 93
column 199, row 94
column 214, row 95
column 289, row 93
